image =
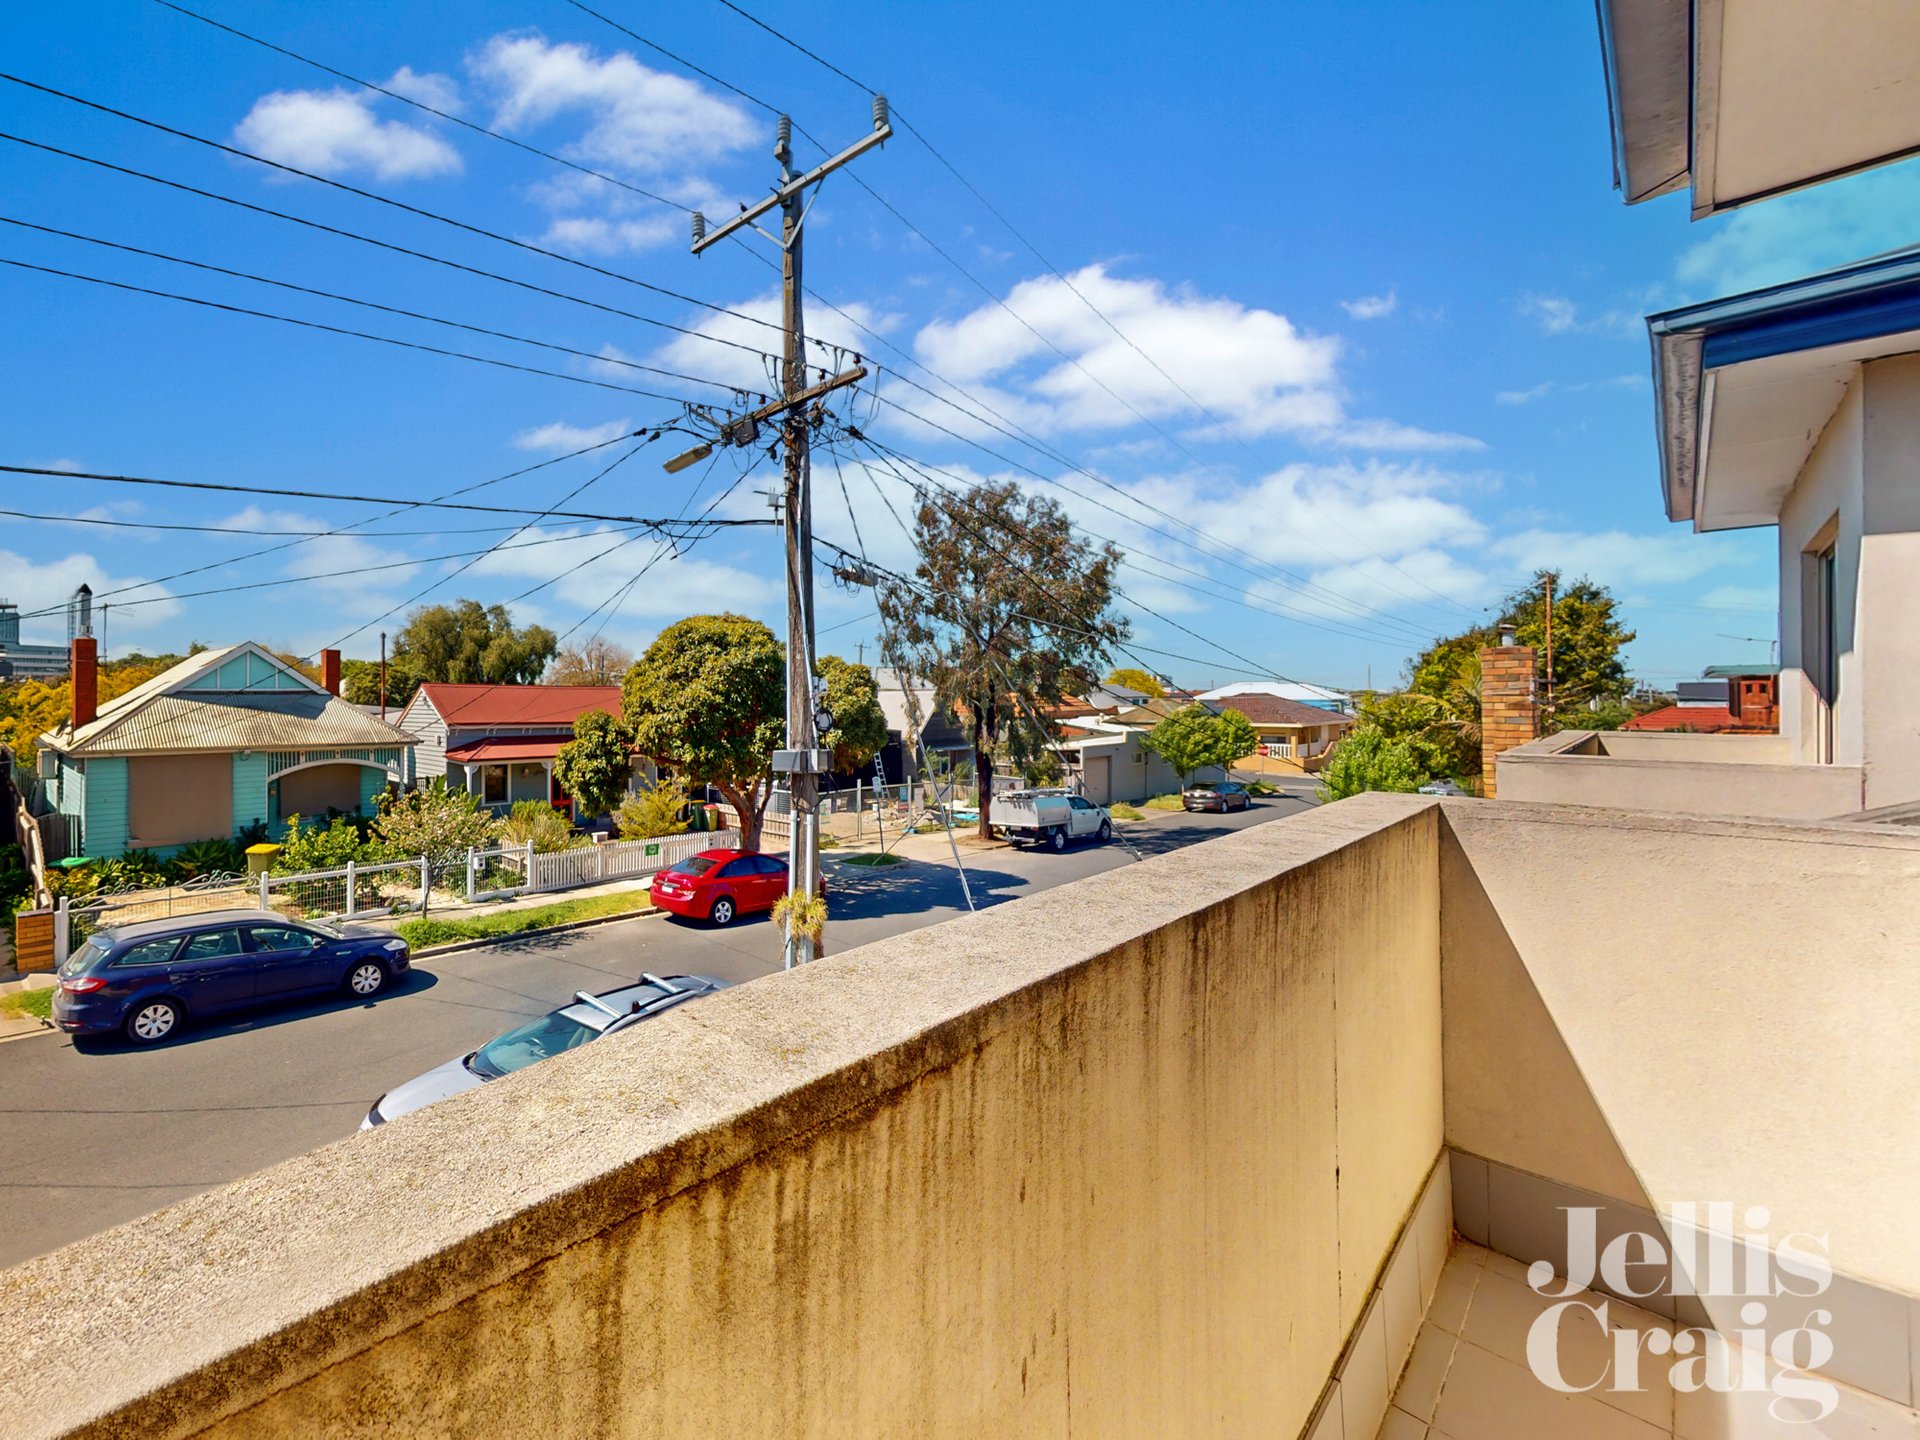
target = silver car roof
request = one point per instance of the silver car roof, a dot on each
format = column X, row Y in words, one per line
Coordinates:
column 642, row 997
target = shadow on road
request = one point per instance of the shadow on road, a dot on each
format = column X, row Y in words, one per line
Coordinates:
column 265, row 1016
column 868, row 892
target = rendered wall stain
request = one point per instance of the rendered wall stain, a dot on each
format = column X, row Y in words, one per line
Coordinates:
column 1133, row 1210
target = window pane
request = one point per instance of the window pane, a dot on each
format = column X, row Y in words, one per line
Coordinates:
column 213, row 943
column 152, row 952
column 273, row 937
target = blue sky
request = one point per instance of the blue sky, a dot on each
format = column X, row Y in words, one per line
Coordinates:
column 1376, row 246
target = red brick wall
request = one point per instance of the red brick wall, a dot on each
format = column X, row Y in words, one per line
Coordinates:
column 1509, row 705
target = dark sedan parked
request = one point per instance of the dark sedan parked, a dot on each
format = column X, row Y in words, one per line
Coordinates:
column 1226, row 795
column 145, row 980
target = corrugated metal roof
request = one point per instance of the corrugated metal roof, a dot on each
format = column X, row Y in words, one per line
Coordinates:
column 495, row 749
column 480, row 705
column 285, row 720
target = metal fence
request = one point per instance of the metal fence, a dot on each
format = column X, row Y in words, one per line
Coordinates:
column 196, row 897
column 353, row 892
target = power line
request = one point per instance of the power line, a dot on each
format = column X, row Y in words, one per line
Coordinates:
column 424, row 106
column 202, row 193
column 592, row 355
column 437, row 504
column 101, row 520
column 378, row 198
column 400, row 507
column 598, row 475
column 1333, row 598
column 341, row 330
column 1058, row 274
column 1331, row 624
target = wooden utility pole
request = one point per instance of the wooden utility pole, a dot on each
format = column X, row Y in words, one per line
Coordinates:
column 1546, row 578
column 803, row 761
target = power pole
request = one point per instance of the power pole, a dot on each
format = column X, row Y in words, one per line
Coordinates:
column 803, row 762
column 1546, row 578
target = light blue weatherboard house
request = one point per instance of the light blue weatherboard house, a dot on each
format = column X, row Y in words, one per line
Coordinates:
column 224, row 740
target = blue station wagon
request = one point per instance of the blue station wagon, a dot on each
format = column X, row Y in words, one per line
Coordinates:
column 145, row 980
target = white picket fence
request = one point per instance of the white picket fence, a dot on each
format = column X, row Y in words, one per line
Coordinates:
column 520, row 870
column 394, row 887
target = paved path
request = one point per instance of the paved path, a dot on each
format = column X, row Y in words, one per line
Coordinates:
column 92, row 1137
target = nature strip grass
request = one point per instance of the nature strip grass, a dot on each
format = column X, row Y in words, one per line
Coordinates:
column 423, row 933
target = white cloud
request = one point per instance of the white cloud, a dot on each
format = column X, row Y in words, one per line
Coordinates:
column 1251, row 367
column 1558, row 315
column 1240, row 371
column 1615, row 557
column 1372, row 307
column 638, row 118
column 1365, row 588
column 335, row 132
column 1762, row 599
column 1389, row 435
column 1558, row 387
column 340, row 567
column 1810, row 230
column 442, row 92
column 599, row 235
column 560, row 437
column 45, row 585
column 673, row 587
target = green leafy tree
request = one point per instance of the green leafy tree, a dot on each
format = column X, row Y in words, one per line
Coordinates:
column 1009, row 612
column 1367, row 758
column 315, row 847
column 1194, row 737
column 596, row 764
column 436, row 822
column 598, row 662
column 1130, row 677
column 709, row 700
column 859, row 724
column 539, row 822
column 471, row 643
column 652, row 811
column 1588, row 638
column 360, row 684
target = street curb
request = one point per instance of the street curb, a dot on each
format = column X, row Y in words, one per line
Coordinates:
column 42, row 1027
column 456, row 946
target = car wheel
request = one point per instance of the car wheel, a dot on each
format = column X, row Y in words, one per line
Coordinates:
column 1106, row 831
column 1058, row 839
column 722, row 912
column 153, row 1021
column 366, row 979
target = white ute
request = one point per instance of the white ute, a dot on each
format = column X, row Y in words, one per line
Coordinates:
column 1050, row 815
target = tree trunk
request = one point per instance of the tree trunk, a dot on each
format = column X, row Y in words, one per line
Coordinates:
column 983, row 778
column 750, row 808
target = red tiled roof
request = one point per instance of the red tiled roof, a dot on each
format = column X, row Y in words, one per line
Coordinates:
column 1702, row 719
column 496, row 750
column 519, row 704
column 1276, row 710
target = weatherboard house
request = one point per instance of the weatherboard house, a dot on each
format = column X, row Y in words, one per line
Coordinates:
column 224, row 741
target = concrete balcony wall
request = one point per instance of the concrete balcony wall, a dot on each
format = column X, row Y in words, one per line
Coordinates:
column 1737, row 775
column 1126, row 1159
column 1655, row 1009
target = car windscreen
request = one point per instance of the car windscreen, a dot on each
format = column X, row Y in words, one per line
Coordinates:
column 1200, row 789
column 537, row 1040
column 326, row 930
column 86, row 955
column 698, row 865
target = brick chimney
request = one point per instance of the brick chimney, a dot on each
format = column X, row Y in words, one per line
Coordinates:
column 86, row 680
column 1509, row 706
column 330, row 671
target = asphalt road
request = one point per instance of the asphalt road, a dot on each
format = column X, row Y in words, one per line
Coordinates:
column 96, row 1136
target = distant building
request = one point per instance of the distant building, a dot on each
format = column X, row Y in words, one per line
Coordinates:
column 21, row 661
column 1297, row 691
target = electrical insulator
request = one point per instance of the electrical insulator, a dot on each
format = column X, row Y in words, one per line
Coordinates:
column 880, row 118
column 783, row 137
column 699, row 227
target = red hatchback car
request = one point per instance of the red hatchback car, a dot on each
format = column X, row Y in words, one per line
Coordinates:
column 717, row 885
